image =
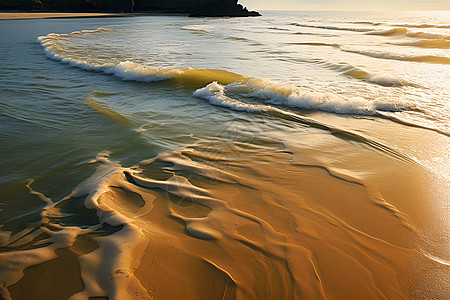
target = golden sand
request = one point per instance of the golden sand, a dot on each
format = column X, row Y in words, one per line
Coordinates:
column 287, row 228
column 46, row 15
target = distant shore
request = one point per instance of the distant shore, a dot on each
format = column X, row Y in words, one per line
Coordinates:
column 57, row 15
column 46, row 15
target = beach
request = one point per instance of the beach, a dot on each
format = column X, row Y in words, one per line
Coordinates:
column 298, row 155
column 46, row 15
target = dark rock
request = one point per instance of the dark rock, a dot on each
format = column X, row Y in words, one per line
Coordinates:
column 168, row 6
column 221, row 8
column 87, row 5
column 17, row 5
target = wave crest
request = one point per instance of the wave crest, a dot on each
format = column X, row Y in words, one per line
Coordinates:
column 333, row 27
column 402, row 31
column 440, row 44
column 130, row 71
column 276, row 93
column 197, row 28
column 423, row 58
column 390, row 32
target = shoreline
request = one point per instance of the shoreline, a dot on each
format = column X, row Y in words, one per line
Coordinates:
column 63, row 15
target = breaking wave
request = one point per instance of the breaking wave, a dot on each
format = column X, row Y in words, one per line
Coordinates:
column 243, row 93
column 423, row 58
column 130, row 71
column 401, row 31
column 440, row 44
column 361, row 74
column 276, row 93
column 333, row 27
column 440, row 26
column 202, row 28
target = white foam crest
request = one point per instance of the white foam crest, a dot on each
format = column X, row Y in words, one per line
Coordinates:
column 277, row 93
column 386, row 80
column 204, row 28
column 66, row 35
column 215, row 94
column 126, row 70
column 82, row 64
column 55, row 50
column 282, row 94
column 272, row 92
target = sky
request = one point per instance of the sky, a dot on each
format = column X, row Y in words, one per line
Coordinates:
column 347, row 4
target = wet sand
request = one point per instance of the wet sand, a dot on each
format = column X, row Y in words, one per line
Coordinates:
column 286, row 225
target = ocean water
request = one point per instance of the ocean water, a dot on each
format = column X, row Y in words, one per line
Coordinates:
column 297, row 155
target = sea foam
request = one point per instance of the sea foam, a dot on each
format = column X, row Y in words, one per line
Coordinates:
column 232, row 90
column 273, row 94
column 126, row 70
column 215, row 94
column 204, row 28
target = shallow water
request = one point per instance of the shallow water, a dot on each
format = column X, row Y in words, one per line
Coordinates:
column 295, row 155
